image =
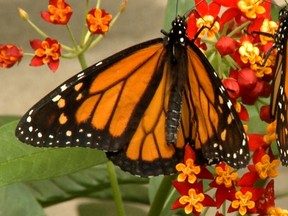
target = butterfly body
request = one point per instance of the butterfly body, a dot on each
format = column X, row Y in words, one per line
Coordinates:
column 142, row 106
column 279, row 109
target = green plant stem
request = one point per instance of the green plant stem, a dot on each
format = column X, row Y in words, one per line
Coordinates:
column 160, row 197
column 82, row 61
column 115, row 189
column 239, row 28
column 80, row 55
column 38, row 30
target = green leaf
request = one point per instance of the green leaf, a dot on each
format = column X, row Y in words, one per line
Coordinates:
column 21, row 162
column 255, row 124
column 17, row 199
column 154, row 184
column 93, row 183
column 108, row 208
column 6, row 119
column 171, row 11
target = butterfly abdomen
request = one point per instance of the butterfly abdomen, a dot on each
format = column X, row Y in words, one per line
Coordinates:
column 173, row 116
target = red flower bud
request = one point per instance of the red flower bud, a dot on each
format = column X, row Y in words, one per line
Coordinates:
column 266, row 91
column 247, row 78
column 232, row 87
column 265, row 114
column 226, row 45
column 249, row 96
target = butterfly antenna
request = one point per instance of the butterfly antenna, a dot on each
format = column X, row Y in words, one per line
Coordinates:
column 177, row 4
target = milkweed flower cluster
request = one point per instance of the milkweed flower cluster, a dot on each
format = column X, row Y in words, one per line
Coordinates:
column 238, row 45
column 49, row 51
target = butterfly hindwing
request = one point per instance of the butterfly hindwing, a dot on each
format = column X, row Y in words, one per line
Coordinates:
column 216, row 127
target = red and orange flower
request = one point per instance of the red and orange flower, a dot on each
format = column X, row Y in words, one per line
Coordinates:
column 46, row 52
column 98, row 21
column 59, row 12
column 10, row 55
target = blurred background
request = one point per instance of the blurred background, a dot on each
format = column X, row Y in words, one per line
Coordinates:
column 22, row 85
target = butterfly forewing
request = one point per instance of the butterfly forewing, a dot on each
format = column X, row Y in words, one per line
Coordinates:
column 99, row 107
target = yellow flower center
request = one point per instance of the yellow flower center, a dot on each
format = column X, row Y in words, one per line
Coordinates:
column 207, row 25
column 265, row 168
column 251, row 8
column 243, row 202
column 269, row 27
column 192, row 201
column 189, row 169
column 259, row 68
column 99, row 22
column 271, row 130
column 59, row 12
column 273, row 211
column 248, row 52
column 225, row 176
column 48, row 52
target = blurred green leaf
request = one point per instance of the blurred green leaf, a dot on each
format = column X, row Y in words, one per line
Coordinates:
column 93, row 183
column 17, row 200
column 255, row 124
column 21, row 162
column 6, row 119
column 108, row 208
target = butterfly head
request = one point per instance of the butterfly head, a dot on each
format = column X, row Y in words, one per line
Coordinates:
column 177, row 34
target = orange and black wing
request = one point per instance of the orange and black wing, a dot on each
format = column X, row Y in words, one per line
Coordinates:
column 279, row 101
column 215, row 128
column 279, row 97
column 208, row 122
column 118, row 103
column 142, row 106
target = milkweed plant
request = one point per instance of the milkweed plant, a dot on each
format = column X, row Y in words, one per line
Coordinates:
column 237, row 40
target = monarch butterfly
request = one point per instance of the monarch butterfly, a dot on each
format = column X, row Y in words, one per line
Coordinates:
column 142, row 106
column 279, row 109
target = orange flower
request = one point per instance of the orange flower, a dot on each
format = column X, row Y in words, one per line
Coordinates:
column 243, row 202
column 188, row 170
column 9, row 55
column 46, row 52
column 59, row 12
column 265, row 168
column 98, row 21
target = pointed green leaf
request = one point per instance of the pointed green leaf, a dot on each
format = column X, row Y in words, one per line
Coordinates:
column 6, row 119
column 93, row 183
column 17, row 199
column 21, row 162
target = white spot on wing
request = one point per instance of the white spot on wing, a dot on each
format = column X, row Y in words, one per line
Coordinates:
column 98, row 63
column 28, row 119
column 63, row 87
column 56, row 98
